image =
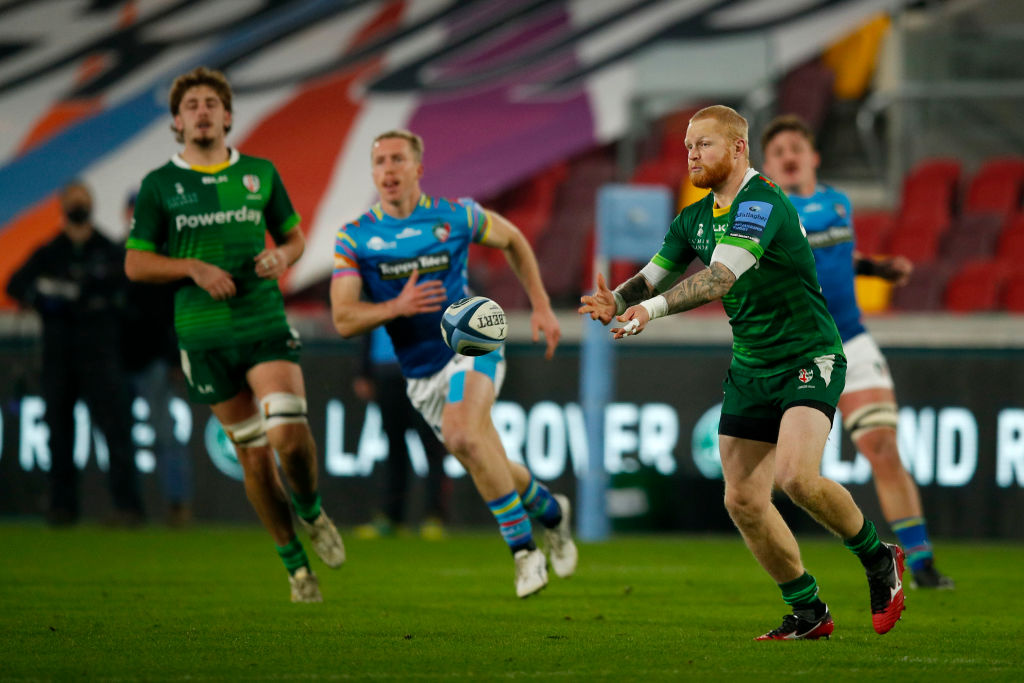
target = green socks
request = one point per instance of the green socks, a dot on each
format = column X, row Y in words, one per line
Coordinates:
column 868, row 548
column 802, row 595
column 293, row 555
column 307, row 507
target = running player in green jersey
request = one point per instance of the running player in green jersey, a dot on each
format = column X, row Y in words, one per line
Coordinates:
column 202, row 218
column 787, row 370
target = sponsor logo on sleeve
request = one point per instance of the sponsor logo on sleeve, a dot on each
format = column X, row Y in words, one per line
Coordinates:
column 751, row 220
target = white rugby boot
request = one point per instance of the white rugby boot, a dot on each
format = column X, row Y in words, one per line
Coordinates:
column 305, row 587
column 560, row 546
column 531, row 572
column 326, row 540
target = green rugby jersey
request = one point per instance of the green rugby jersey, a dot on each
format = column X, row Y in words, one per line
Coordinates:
column 222, row 218
column 776, row 309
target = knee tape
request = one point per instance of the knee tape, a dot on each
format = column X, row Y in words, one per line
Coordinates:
column 281, row 408
column 873, row 416
column 247, row 433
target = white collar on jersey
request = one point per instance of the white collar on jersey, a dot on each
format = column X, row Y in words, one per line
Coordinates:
column 751, row 172
column 233, row 156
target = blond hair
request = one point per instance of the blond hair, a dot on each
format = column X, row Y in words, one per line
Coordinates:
column 733, row 125
column 415, row 141
column 200, row 75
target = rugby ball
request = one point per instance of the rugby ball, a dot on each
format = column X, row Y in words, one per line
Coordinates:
column 474, row 326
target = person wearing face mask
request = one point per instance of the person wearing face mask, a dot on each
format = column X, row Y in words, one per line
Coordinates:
column 76, row 284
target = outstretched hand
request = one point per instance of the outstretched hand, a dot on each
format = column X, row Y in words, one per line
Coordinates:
column 600, row 305
column 546, row 322
column 419, row 297
column 899, row 270
column 636, row 319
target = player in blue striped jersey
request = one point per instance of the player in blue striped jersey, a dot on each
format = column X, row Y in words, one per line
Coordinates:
column 868, row 402
column 408, row 255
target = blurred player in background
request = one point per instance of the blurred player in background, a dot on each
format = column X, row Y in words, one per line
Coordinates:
column 409, row 253
column 380, row 380
column 868, row 403
column 203, row 218
column 787, row 369
column 150, row 353
column 76, row 284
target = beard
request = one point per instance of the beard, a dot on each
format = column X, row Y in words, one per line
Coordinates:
column 712, row 176
column 203, row 142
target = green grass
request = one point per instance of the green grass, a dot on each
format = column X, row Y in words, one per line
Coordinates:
column 211, row 603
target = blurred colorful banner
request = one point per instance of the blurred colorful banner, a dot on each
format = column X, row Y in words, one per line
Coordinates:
column 499, row 90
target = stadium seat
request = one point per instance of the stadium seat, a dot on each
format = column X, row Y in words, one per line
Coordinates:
column 871, row 228
column 665, row 172
column 975, row 287
column 930, row 191
column 915, row 237
column 1012, row 297
column 925, row 290
column 807, row 92
column 563, row 251
column 971, row 237
column 997, row 187
column 1011, row 240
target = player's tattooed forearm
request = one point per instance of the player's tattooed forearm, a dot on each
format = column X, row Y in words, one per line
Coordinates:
column 706, row 286
column 635, row 289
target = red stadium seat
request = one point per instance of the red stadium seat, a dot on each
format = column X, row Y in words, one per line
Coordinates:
column 1011, row 241
column 916, row 237
column 871, row 228
column 807, row 92
column 1012, row 298
column 997, row 187
column 665, row 172
column 930, row 190
column 975, row 287
column 971, row 237
column 925, row 290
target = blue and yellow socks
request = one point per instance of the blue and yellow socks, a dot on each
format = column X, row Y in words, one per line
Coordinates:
column 293, row 555
column 540, row 504
column 869, row 549
column 513, row 521
column 913, row 535
column 307, row 507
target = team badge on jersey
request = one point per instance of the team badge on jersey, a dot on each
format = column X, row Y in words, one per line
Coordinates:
column 805, row 375
column 441, row 232
column 251, row 182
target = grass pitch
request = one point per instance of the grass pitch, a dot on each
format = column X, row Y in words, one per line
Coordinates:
column 211, row 603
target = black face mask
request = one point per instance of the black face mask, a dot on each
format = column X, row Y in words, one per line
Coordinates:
column 78, row 214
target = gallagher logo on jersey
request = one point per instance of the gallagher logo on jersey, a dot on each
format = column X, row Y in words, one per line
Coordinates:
column 751, row 220
column 442, row 231
column 251, row 182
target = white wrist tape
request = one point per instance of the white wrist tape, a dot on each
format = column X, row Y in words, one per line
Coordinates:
column 620, row 303
column 656, row 307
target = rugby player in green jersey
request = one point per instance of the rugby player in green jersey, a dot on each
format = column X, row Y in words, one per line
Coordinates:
column 202, row 218
column 787, row 370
